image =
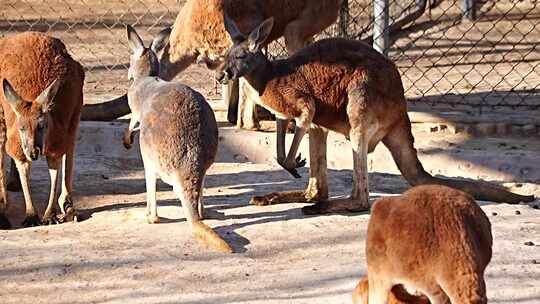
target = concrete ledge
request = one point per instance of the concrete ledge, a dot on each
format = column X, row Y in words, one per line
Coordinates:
column 502, row 159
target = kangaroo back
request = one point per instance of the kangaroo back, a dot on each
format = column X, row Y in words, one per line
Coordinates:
column 433, row 238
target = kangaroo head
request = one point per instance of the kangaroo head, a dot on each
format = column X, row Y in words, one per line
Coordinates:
column 245, row 55
column 32, row 117
column 144, row 61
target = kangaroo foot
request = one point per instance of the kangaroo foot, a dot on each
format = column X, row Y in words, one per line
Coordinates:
column 4, row 222
column 152, row 219
column 70, row 214
column 294, row 196
column 50, row 218
column 31, row 221
column 335, row 206
column 265, row 200
column 250, row 124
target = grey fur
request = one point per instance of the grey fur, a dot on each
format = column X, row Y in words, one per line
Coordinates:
column 178, row 134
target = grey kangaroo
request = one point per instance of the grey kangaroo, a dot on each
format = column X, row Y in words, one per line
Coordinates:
column 178, row 135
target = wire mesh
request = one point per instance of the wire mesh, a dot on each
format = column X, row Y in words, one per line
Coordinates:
column 444, row 57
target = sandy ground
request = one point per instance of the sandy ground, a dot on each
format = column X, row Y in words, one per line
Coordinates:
column 114, row 256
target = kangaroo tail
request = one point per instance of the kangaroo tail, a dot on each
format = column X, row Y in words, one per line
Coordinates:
column 209, row 237
column 400, row 142
column 482, row 191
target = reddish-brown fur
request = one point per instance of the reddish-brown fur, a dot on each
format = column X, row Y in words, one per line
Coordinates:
column 325, row 71
column 398, row 295
column 199, row 33
column 432, row 238
column 30, row 62
column 199, row 30
column 348, row 87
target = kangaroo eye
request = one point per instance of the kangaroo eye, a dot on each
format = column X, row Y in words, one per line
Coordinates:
column 22, row 129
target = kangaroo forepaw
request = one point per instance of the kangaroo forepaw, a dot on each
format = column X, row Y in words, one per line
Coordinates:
column 31, row 221
column 300, row 162
column 4, row 222
column 127, row 139
column 291, row 167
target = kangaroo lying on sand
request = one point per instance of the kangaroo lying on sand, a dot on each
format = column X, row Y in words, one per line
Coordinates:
column 42, row 100
column 178, row 135
column 435, row 239
column 397, row 295
column 344, row 86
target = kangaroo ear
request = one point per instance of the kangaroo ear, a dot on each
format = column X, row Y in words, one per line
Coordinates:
column 233, row 31
column 134, row 41
column 161, row 40
column 11, row 96
column 45, row 99
column 259, row 35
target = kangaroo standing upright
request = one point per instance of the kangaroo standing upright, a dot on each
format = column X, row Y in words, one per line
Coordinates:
column 344, row 86
column 42, row 100
column 178, row 135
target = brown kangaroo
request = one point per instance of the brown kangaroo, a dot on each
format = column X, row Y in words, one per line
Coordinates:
column 397, row 295
column 178, row 135
column 340, row 85
column 432, row 238
column 199, row 33
column 42, row 99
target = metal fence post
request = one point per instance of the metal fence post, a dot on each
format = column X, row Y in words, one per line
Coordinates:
column 381, row 11
column 469, row 9
column 344, row 19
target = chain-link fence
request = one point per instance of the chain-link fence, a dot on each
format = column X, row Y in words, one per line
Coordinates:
column 489, row 59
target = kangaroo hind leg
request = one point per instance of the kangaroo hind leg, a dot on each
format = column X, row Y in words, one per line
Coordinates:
column 363, row 127
column 317, row 189
column 49, row 217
